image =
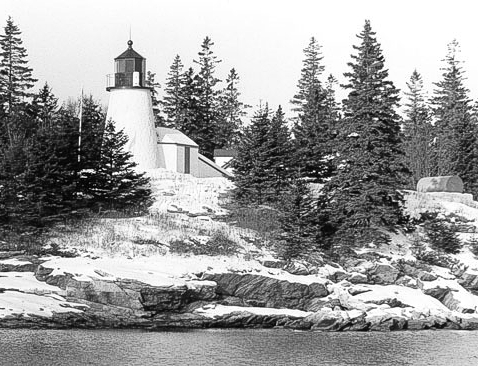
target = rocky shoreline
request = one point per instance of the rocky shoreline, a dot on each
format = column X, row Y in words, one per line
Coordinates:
column 370, row 293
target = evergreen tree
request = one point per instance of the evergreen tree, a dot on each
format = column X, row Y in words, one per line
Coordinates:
column 363, row 197
column 297, row 222
column 309, row 78
column 114, row 184
column 15, row 76
column 92, row 126
column 251, row 174
column 232, row 110
column 189, row 105
column 45, row 105
column 207, row 96
column 49, row 181
column 173, row 101
column 154, row 97
column 417, row 132
column 314, row 127
column 279, row 147
column 261, row 168
column 38, row 176
column 454, row 128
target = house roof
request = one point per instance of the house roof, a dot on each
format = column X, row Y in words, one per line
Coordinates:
column 129, row 53
column 172, row 136
column 225, row 153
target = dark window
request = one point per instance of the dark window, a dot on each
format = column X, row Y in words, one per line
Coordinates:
column 120, row 66
column 129, row 65
column 187, row 160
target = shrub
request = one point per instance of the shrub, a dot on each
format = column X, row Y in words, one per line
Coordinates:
column 218, row 244
column 440, row 234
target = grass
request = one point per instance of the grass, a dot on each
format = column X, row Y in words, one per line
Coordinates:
column 141, row 236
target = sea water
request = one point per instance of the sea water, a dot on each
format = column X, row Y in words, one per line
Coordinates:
column 236, row 347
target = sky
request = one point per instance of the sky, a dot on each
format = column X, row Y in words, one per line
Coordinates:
column 71, row 44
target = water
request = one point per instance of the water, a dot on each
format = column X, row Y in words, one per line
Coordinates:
column 236, row 347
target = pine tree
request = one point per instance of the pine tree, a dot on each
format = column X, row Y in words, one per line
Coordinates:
column 251, row 174
column 92, row 126
column 38, row 176
column 314, row 127
column 173, row 101
column 279, row 147
column 417, row 132
column 15, row 76
column 154, row 97
column 114, row 184
column 454, row 130
column 309, row 78
column 363, row 197
column 297, row 222
column 207, row 96
column 49, row 182
column 232, row 110
column 45, row 105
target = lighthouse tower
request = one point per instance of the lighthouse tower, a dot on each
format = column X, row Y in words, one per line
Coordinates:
column 131, row 110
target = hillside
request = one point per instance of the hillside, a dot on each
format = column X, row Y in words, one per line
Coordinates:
column 140, row 272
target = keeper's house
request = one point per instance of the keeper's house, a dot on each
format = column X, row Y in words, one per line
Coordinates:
column 180, row 154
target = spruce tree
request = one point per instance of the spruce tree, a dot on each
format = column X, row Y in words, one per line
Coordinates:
column 49, row 181
column 454, row 128
column 207, row 96
column 417, row 132
column 154, row 97
column 251, row 174
column 173, row 100
column 314, row 127
column 279, row 147
column 15, row 76
column 45, row 105
column 363, row 197
column 309, row 78
column 297, row 222
column 114, row 184
column 232, row 110
column 92, row 126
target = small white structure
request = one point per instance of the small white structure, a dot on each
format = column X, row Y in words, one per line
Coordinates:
column 179, row 151
column 181, row 154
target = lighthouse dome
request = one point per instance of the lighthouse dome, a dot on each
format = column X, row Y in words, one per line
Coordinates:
column 130, row 70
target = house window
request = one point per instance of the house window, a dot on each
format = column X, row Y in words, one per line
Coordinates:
column 187, row 160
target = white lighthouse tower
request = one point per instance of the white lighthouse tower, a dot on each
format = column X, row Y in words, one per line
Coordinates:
column 131, row 110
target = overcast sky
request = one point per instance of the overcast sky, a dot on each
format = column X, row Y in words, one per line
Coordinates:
column 72, row 43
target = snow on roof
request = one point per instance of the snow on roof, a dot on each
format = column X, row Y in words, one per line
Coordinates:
column 172, row 136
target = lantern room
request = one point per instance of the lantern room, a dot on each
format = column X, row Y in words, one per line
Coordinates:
column 130, row 70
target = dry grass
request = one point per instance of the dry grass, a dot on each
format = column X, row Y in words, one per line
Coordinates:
column 143, row 236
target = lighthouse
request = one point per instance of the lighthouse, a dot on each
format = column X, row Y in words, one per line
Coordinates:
column 131, row 110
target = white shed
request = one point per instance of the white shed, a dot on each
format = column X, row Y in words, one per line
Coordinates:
column 179, row 153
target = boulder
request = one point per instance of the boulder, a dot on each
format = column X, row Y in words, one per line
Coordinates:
column 469, row 281
column 296, row 268
column 327, row 320
column 357, row 278
column 383, row 274
column 17, row 265
column 265, row 291
column 338, row 276
column 273, row 263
